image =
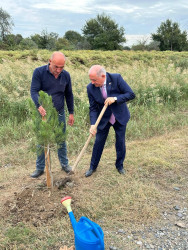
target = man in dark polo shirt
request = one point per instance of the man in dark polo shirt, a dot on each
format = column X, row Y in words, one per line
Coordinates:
column 56, row 82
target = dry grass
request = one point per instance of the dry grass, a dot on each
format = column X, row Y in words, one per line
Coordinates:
column 154, row 167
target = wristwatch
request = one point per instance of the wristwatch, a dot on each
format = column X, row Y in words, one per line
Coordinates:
column 115, row 98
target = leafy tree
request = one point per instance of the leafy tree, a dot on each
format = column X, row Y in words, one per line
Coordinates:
column 126, row 48
column 141, row 45
column 85, row 45
column 73, row 37
column 45, row 40
column 103, row 33
column 170, row 37
column 52, row 39
column 153, row 45
column 63, row 43
column 3, row 46
column 37, row 40
column 6, row 24
column 76, row 40
column 12, row 41
column 28, row 43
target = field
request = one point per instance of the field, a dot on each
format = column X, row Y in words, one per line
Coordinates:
column 156, row 161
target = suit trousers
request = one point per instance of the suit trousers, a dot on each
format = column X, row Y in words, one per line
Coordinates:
column 100, row 140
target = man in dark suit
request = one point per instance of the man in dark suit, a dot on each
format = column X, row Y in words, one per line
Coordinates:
column 111, row 89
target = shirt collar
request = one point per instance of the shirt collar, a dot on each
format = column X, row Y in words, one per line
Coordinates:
column 47, row 67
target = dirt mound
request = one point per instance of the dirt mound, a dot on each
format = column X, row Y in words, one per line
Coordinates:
column 38, row 204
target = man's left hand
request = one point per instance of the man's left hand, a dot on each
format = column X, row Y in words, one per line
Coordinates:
column 71, row 119
column 109, row 100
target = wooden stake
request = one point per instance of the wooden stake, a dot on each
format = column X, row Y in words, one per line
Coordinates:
column 48, row 167
column 49, row 178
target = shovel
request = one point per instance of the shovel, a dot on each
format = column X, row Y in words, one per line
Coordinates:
column 89, row 138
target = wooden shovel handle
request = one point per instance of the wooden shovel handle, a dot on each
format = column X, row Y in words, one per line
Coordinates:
column 90, row 136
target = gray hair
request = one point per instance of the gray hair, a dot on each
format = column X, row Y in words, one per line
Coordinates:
column 98, row 69
column 101, row 72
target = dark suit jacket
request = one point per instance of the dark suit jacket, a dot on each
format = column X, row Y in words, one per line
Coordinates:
column 116, row 87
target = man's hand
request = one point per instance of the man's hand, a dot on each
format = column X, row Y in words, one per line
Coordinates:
column 71, row 119
column 42, row 111
column 109, row 100
column 93, row 130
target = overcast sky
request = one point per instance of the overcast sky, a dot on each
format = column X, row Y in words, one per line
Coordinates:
column 138, row 17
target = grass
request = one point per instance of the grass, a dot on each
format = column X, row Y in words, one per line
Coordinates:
column 154, row 167
column 159, row 80
column 156, row 146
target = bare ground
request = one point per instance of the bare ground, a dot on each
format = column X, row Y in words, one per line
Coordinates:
column 149, row 197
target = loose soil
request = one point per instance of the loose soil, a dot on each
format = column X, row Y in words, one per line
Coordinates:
column 35, row 202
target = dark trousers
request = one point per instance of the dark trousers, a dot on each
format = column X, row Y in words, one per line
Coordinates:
column 100, row 140
column 62, row 149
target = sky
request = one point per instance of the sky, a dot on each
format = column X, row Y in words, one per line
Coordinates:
column 139, row 18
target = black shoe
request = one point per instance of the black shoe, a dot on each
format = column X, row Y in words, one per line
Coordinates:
column 37, row 173
column 89, row 172
column 67, row 168
column 121, row 171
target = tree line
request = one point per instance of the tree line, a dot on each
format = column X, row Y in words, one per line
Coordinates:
column 100, row 33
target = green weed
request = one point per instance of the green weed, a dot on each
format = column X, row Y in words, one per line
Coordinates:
column 20, row 235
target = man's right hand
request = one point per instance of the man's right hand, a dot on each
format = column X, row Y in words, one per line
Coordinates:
column 42, row 111
column 93, row 130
